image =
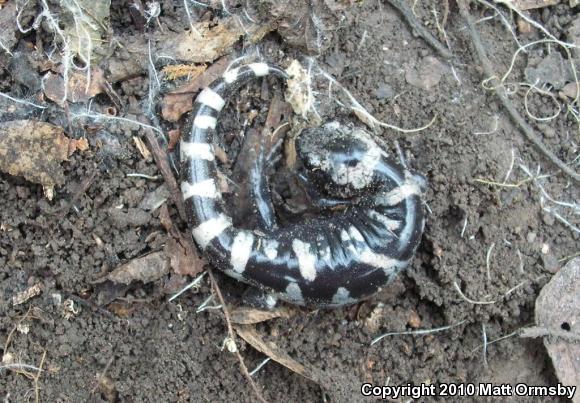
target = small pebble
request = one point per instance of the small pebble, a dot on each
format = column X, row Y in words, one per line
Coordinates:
column 531, row 237
column 414, row 320
column 548, row 131
column 384, row 91
column 545, row 249
column 550, row 263
column 548, row 219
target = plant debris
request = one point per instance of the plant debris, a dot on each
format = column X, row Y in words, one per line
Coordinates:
column 175, row 71
column 558, row 320
column 251, row 336
column 34, row 150
column 85, row 24
column 206, row 43
column 27, row 294
column 146, row 269
column 8, row 38
column 79, row 88
column 299, row 90
column 179, row 101
column 184, row 258
column 251, row 316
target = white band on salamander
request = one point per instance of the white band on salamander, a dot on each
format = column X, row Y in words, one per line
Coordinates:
column 400, row 193
column 230, row 76
column 205, row 232
column 241, row 250
column 196, row 151
column 306, row 259
column 204, row 122
column 212, row 99
column 259, row 69
column 206, row 188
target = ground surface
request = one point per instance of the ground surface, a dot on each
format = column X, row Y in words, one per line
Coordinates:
column 152, row 350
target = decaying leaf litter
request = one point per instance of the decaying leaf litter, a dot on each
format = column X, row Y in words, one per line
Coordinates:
column 64, row 84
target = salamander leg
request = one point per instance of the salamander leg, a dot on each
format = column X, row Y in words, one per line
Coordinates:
column 320, row 201
column 258, row 298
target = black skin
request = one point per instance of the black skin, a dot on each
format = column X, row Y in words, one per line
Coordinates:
column 355, row 251
column 316, row 186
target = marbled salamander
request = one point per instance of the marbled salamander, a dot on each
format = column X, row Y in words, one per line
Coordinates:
column 324, row 262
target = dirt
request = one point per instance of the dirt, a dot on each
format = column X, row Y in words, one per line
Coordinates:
column 495, row 243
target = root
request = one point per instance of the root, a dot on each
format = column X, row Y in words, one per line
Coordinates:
column 419, row 332
column 366, row 116
column 503, row 96
column 409, row 16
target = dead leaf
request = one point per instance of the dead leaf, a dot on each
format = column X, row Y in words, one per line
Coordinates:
column 180, row 100
column 85, row 24
column 175, row 71
column 34, row 151
column 251, row 336
column 78, row 89
column 8, row 32
column 207, row 43
column 27, row 294
column 298, row 92
column 558, row 311
column 184, row 260
column 174, row 138
column 155, row 199
column 146, row 269
column 306, row 24
column 107, row 388
column 121, row 309
column 250, row 316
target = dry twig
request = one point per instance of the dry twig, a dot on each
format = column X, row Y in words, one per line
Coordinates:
column 232, row 336
column 160, row 157
column 407, row 14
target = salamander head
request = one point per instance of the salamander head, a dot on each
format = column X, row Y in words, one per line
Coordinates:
column 340, row 156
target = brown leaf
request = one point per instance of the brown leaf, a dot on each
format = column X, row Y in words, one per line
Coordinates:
column 180, row 100
column 174, row 137
column 251, row 336
column 77, row 90
column 34, row 151
column 176, row 71
column 207, row 43
column 558, row 312
column 184, row 260
column 81, row 144
column 8, row 36
column 121, row 309
column 146, row 269
column 250, row 316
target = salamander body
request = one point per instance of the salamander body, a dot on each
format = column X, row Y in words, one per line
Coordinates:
column 334, row 260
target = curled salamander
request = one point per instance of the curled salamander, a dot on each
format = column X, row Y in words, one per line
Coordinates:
column 328, row 261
